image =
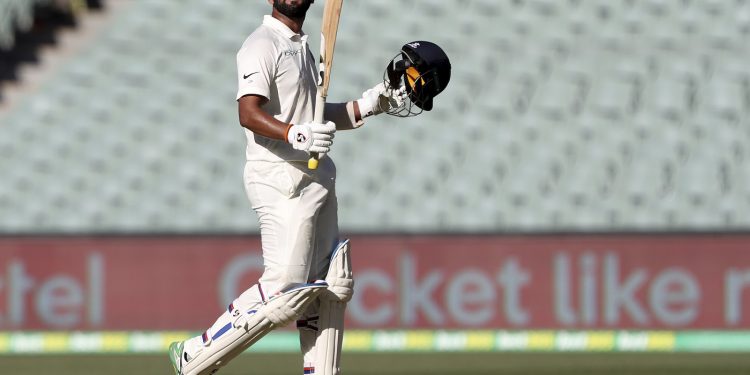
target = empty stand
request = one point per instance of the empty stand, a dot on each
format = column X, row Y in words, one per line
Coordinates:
column 560, row 115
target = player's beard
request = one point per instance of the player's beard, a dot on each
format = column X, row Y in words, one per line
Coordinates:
column 292, row 11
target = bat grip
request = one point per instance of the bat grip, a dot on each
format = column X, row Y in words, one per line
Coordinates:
column 312, row 163
column 320, row 104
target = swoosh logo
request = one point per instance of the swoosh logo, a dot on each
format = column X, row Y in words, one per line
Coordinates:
column 248, row 75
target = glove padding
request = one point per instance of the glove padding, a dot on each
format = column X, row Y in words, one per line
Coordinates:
column 381, row 98
column 312, row 137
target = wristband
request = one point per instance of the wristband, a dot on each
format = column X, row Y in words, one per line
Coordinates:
column 352, row 115
column 286, row 135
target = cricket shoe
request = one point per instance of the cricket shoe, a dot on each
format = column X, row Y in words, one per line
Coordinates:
column 176, row 355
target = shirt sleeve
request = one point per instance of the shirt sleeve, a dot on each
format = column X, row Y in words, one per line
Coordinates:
column 256, row 68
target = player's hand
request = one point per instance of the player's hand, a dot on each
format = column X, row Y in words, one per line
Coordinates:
column 381, row 98
column 312, row 137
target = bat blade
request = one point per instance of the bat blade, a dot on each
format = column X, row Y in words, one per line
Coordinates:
column 328, row 31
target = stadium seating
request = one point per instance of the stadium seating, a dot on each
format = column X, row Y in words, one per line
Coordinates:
column 583, row 115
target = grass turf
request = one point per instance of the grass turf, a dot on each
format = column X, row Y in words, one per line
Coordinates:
column 405, row 363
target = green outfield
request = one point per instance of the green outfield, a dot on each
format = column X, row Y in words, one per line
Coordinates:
column 405, row 363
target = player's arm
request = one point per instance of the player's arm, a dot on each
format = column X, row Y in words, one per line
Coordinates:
column 346, row 116
column 256, row 68
column 255, row 119
column 307, row 137
column 374, row 101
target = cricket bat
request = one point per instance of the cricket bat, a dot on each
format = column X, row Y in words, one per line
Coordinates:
column 330, row 26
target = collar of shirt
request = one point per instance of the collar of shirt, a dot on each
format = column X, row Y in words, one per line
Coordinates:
column 279, row 26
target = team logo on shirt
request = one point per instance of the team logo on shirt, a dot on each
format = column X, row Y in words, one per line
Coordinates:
column 291, row 52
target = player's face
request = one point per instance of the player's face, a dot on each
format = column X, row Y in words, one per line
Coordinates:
column 292, row 8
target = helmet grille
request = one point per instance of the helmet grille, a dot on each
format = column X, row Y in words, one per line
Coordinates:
column 401, row 70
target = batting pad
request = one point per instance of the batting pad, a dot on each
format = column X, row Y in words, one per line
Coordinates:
column 251, row 325
column 331, row 312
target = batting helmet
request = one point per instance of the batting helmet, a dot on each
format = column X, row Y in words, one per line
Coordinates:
column 424, row 69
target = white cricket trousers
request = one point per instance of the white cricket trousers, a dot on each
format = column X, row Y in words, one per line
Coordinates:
column 297, row 211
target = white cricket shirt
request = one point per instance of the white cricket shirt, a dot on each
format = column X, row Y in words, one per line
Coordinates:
column 276, row 63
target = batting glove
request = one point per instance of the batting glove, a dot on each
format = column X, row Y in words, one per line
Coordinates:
column 381, row 98
column 312, row 137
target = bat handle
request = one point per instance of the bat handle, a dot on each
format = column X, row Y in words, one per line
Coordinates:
column 312, row 163
column 320, row 103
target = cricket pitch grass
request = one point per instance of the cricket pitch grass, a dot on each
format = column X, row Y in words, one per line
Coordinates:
column 403, row 364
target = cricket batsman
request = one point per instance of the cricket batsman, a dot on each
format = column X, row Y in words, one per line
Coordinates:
column 307, row 274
